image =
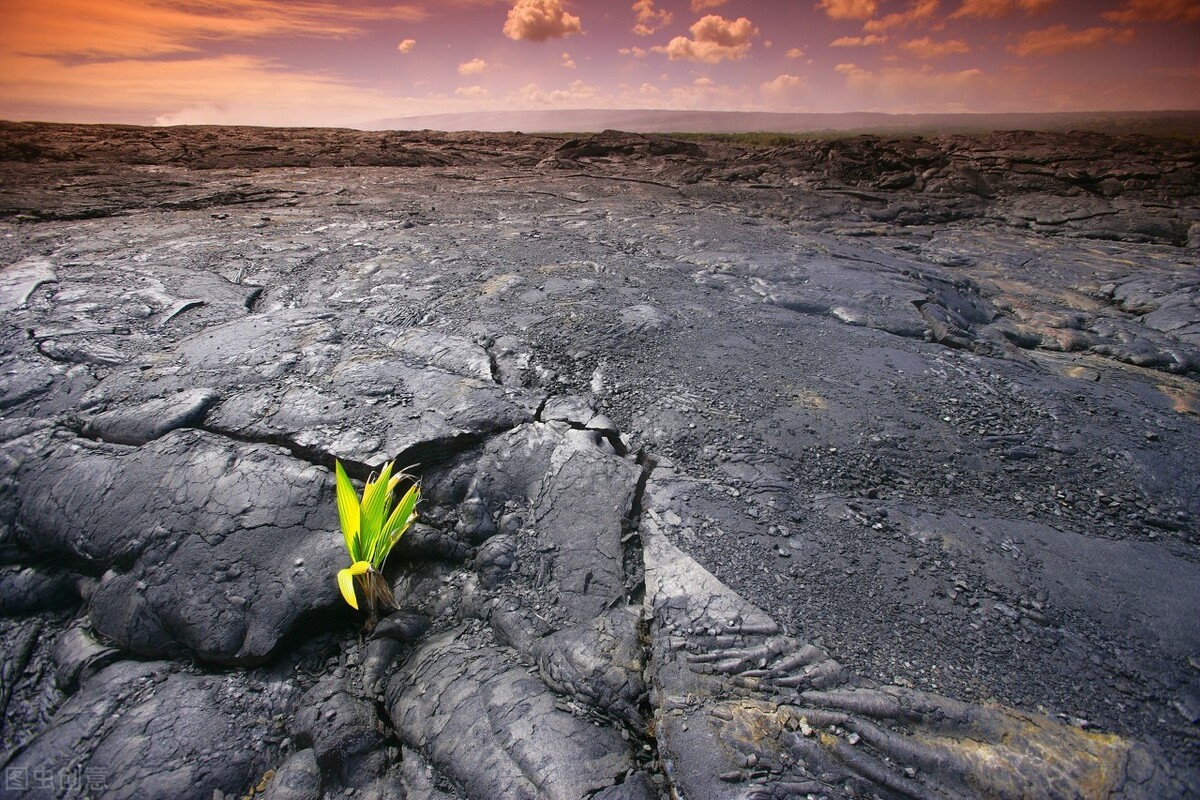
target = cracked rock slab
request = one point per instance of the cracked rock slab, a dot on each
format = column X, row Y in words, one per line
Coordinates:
column 190, row 528
column 508, row 737
column 145, row 729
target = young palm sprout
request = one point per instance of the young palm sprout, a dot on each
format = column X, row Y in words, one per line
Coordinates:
column 371, row 528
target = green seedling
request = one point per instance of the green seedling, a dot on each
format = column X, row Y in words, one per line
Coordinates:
column 371, row 528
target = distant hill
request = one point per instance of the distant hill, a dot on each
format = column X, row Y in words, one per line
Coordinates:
column 1168, row 123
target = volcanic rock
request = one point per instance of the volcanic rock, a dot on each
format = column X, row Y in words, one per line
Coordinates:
column 853, row 467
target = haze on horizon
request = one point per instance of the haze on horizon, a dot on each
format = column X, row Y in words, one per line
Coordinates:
column 348, row 62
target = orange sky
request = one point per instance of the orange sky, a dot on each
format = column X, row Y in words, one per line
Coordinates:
column 324, row 62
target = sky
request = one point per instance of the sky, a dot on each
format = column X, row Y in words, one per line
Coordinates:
column 350, row 62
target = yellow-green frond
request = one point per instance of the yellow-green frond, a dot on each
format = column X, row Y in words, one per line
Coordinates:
column 349, row 511
column 345, row 578
column 376, row 497
column 401, row 517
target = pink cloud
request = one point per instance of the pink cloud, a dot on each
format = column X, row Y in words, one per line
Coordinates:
column 871, row 40
column 998, row 9
column 145, row 28
column 918, row 11
column 714, row 39
column 783, row 88
column 576, row 94
column 926, row 47
column 896, row 88
column 223, row 90
column 476, row 66
column 649, row 19
column 795, row 52
column 539, row 20
column 700, row 5
column 1060, row 39
column 407, row 46
column 1155, row 11
column 849, row 9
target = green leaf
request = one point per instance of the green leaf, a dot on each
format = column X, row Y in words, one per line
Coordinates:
column 349, row 511
column 402, row 517
column 374, row 505
column 371, row 526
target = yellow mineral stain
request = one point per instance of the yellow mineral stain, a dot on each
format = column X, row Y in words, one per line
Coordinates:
column 807, row 398
column 1028, row 297
column 1003, row 754
column 755, row 722
column 952, row 544
column 1183, row 399
column 757, row 727
column 498, row 283
column 1021, row 756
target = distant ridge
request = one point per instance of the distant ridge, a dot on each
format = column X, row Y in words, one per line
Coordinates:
column 1175, row 123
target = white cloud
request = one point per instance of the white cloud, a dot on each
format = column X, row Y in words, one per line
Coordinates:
column 648, row 18
column 407, row 45
column 1060, row 39
column 476, row 66
column 795, row 52
column 714, row 39
column 567, row 61
column 473, row 92
column 539, row 20
column 636, row 52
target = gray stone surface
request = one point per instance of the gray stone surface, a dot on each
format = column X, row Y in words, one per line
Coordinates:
column 153, row 419
column 510, row 738
column 787, row 718
column 185, row 533
column 298, row 778
column 843, row 468
column 147, row 729
column 339, row 726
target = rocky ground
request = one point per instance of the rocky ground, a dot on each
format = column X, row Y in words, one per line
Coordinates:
column 845, row 468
